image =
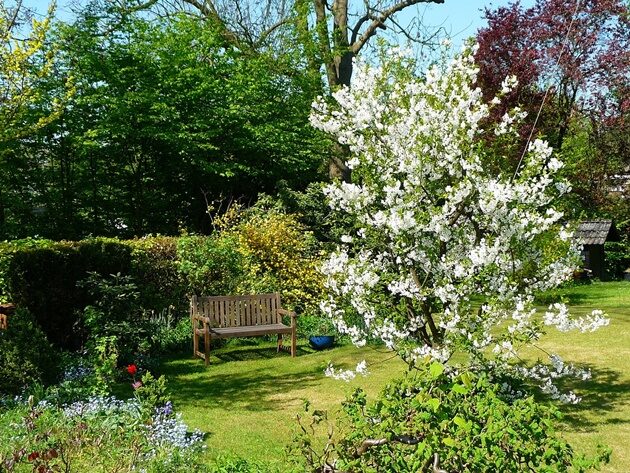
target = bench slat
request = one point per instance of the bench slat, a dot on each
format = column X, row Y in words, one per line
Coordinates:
column 252, row 331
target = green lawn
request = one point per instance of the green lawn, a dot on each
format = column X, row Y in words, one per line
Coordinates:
column 247, row 399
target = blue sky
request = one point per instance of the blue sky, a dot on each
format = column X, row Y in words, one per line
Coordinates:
column 460, row 18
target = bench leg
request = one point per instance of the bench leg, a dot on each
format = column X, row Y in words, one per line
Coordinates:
column 195, row 339
column 279, row 342
column 207, row 343
column 293, row 343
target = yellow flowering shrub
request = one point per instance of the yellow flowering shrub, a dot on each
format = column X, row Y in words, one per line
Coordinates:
column 279, row 247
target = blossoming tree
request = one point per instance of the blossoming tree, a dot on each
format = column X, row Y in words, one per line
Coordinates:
column 447, row 251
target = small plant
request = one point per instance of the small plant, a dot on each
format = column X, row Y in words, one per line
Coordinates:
column 116, row 314
column 315, row 325
column 26, row 355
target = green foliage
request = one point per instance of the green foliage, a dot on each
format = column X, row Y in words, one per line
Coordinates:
column 115, row 314
column 315, row 325
column 99, row 435
column 431, row 417
column 211, row 265
column 617, row 258
column 136, row 290
column 312, row 210
column 257, row 250
column 27, row 356
column 103, row 353
column 44, row 280
column 169, row 335
column 280, row 249
column 25, row 61
column 164, row 116
column 155, row 266
column 151, row 393
column 57, row 297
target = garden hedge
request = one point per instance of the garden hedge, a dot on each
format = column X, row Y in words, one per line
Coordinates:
column 44, row 276
column 259, row 251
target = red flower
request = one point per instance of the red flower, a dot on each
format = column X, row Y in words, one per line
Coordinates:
column 132, row 370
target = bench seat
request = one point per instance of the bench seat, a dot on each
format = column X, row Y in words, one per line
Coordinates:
column 247, row 331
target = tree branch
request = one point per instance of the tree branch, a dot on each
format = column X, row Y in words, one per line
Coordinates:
column 369, row 443
column 378, row 21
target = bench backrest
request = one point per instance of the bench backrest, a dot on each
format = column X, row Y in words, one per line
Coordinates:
column 237, row 311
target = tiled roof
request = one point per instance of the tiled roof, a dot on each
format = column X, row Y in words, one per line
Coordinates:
column 593, row 232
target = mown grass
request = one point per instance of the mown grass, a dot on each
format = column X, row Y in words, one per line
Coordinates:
column 604, row 414
column 247, row 399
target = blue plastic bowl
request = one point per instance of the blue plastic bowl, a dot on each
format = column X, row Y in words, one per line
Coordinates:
column 321, row 342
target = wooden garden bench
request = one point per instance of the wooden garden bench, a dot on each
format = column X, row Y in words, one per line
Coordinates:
column 238, row 316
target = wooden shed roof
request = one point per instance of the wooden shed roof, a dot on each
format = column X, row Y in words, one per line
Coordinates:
column 595, row 232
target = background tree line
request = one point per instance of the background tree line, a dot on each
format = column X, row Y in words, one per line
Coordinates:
column 135, row 116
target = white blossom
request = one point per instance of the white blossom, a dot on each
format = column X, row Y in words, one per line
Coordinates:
column 439, row 229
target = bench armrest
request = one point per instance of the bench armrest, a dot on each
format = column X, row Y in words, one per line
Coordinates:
column 287, row 312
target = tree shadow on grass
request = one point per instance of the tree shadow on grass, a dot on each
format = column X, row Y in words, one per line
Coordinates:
column 601, row 395
column 252, row 389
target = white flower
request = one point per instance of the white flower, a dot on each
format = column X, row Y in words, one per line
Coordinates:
column 438, row 228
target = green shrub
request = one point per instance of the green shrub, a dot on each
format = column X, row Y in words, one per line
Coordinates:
column 27, row 356
column 155, row 267
column 116, row 313
column 43, row 276
column 44, row 280
column 616, row 259
column 7, row 250
column 169, row 335
column 312, row 210
column 211, row 265
column 254, row 251
column 281, row 252
column 458, row 422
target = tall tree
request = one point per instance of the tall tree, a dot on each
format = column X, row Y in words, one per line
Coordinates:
column 328, row 34
column 164, row 117
column 578, row 50
column 571, row 59
column 23, row 63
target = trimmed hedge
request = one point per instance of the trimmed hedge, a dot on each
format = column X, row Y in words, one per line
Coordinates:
column 43, row 277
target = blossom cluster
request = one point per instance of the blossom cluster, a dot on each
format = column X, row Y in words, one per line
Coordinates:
column 168, row 431
column 346, row 375
column 448, row 249
column 164, row 431
column 99, row 405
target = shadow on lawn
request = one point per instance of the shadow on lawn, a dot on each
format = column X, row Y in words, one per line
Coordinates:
column 602, row 394
column 253, row 389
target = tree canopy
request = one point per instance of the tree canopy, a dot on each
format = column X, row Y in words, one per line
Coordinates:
column 165, row 119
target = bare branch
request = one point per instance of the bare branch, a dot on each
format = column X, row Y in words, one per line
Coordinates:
column 265, row 34
column 369, row 443
column 380, row 20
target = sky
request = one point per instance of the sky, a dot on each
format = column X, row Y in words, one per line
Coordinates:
column 459, row 18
